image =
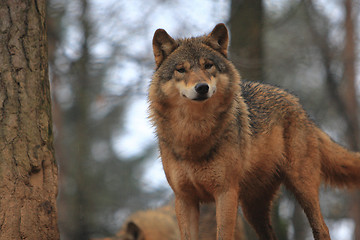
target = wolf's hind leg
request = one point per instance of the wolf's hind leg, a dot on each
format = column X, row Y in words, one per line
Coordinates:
column 256, row 206
column 306, row 191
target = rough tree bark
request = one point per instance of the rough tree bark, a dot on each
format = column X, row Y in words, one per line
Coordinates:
column 28, row 171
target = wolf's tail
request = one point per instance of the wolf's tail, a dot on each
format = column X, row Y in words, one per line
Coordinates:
column 339, row 166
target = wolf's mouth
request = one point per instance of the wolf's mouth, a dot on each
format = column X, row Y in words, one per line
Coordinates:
column 201, row 98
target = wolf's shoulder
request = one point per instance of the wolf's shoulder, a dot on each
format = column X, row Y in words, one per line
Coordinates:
column 267, row 95
column 269, row 105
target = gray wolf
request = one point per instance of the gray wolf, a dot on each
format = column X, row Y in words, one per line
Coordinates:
column 234, row 142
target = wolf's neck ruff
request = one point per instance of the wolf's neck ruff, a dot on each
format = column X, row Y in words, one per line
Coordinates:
column 194, row 129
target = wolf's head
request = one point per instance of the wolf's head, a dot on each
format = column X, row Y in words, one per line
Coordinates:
column 191, row 66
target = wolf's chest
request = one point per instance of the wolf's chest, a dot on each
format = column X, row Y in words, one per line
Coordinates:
column 201, row 181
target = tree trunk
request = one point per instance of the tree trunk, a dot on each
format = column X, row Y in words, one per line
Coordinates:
column 299, row 223
column 246, row 23
column 246, row 52
column 349, row 78
column 351, row 104
column 28, row 171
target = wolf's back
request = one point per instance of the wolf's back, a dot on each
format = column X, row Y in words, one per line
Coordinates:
column 269, row 105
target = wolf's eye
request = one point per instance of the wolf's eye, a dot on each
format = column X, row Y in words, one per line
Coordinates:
column 181, row 70
column 208, row 65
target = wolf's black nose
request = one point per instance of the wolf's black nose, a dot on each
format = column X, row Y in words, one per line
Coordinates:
column 202, row 88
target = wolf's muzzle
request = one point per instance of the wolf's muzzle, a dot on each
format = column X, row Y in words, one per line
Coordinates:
column 199, row 92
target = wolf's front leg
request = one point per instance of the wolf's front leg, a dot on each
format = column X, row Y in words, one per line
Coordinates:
column 187, row 213
column 226, row 213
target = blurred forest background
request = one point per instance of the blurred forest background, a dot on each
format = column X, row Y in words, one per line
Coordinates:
column 101, row 63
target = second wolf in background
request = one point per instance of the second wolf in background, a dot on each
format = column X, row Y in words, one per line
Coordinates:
column 160, row 224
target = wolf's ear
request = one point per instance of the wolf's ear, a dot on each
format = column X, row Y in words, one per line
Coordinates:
column 134, row 231
column 163, row 45
column 218, row 39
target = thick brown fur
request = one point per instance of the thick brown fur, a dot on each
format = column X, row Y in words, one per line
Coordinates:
column 236, row 142
column 161, row 224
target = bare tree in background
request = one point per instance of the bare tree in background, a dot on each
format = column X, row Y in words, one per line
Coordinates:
column 246, row 49
column 95, row 182
column 349, row 77
column 247, row 53
column 28, row 171
column 343, row 89
column 350, row 98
